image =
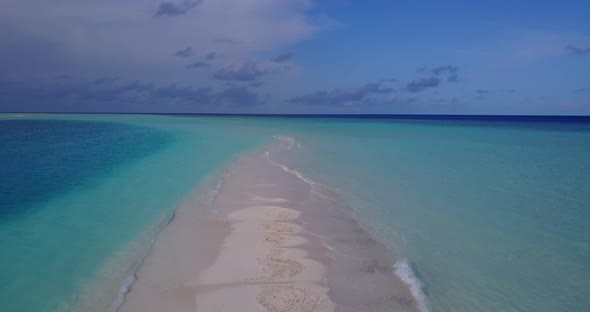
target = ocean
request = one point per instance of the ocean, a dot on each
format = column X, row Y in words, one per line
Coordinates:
column 481, row 215
column 84, row 196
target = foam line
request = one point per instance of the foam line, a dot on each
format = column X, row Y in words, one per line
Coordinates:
column 404, row 271
column 128, row 282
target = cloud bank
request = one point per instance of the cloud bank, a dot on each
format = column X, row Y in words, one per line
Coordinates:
column 175, row 9
column 421, row 84
column 341, row 96
column 574, row 50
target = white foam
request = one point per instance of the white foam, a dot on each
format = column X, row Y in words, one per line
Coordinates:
column 295, row 173
column 291, row 143
column 289, row 140
column 404, row 271
column 128, row 282
column 213, row 192
column 123, row 291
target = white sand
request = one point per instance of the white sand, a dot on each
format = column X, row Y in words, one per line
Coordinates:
column 259, row 262
column 256, row 253
column 260, row 258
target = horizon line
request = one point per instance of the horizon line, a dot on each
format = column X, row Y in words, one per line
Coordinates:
column 385, row 115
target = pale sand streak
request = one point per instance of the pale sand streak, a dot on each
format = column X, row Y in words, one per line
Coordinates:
column 251, row 255
column 254, row 253
column 272, row 274
column 268, row 199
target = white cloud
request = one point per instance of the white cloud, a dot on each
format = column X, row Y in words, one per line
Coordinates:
column 122, row 37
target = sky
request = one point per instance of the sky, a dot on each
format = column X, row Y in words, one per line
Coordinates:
column 296, row 56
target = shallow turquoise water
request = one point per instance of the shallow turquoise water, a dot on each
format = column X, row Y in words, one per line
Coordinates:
column 87, row 196
column 489, row 216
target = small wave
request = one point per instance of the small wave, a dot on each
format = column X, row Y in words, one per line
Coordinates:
column 123, row 291
column 289, row 140
column 291, row 171
column 292, row 143
column 213, row 192
column 128, row 282
column 404, row 271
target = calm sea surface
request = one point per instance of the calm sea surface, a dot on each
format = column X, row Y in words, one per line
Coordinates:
column 482, row 215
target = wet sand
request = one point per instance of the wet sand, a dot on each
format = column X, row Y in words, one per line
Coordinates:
column 274, row 241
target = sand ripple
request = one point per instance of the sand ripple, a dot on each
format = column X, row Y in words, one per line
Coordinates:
column 277, row 268
column 288, row 299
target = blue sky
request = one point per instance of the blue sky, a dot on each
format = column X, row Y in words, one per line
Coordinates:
column 295, row 56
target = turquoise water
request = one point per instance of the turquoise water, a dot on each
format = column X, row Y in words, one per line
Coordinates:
column 83, row 196
column 489, row 216
column 483, row 216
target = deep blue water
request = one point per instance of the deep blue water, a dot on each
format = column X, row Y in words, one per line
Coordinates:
column 566, row 119
column 42, row 158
